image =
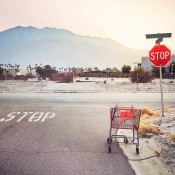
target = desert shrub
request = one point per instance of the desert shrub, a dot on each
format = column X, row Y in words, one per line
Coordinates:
column 20, row 77
column 55, row 77
column 141, row 76
column 66, row 78
column 62, row 77
column 116, row 74
column 30, row 76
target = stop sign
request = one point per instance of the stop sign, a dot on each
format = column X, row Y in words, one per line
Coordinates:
column 159, row 55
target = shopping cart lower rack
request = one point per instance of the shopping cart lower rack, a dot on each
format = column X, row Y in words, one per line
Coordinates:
column 124, row 118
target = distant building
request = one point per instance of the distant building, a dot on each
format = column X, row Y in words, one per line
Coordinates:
column 14, row 72
column 147, row 65
column 137, row 64
column 27, row 71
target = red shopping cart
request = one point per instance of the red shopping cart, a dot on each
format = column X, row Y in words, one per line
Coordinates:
column 124, row 118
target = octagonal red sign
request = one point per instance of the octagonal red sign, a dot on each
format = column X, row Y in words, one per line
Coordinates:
column 159, row 55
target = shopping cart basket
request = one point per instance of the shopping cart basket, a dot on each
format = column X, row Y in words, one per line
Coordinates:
column 124, row 118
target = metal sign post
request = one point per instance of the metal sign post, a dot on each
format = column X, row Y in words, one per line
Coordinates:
column 160, row 60
column 73, row 79
column 137, row 81
column 161, row 90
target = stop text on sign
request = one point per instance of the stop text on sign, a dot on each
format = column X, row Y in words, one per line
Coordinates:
column 29, row 116
column 159, row 55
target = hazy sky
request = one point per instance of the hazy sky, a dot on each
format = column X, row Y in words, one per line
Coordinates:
column 125, row 21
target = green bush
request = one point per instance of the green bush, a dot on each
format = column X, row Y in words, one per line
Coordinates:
column 126, row 69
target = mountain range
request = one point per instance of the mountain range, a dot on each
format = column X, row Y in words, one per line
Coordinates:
column 62, row 48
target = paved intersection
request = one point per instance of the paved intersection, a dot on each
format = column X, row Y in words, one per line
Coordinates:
column 59, row 134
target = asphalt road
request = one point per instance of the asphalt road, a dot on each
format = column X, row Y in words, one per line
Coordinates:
column 63, row 133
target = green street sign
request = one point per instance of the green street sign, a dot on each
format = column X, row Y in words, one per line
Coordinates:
column 158, row 35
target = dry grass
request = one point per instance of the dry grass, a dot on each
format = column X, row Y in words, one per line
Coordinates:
column 145, row 128
column 167, row 110
column 172, row 137
column 145, row 116
column 158, row 151
column 149, row 112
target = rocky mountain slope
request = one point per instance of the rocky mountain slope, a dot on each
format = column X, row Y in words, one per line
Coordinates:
column 62, row 48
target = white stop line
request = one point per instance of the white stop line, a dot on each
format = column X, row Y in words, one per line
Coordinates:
column 32, row 116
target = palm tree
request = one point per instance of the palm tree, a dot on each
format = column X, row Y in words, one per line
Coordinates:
column 11, row 71
column 13, row 68
column 18, row 67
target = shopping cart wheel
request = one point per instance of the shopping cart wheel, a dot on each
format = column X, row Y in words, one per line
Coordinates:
column 125, row 140
column 109, row 140
column 109, row 149
column 137, row 149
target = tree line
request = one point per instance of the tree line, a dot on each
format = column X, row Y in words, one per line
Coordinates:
column 7, row 71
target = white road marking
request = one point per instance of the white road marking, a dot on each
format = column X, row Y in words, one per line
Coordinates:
column 35, row 117
column 10, row 117
column 25, row 114
column 2, row 119
column 47, row 116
